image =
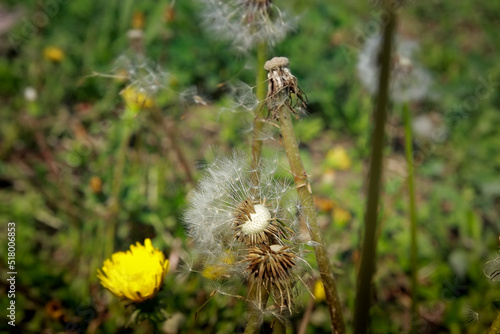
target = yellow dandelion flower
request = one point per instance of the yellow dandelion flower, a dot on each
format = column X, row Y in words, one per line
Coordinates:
column 136, row 99
column 53, row 53
column 319, row 291
column 136, row 274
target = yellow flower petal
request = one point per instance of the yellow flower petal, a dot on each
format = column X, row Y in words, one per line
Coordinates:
column 134, row 99
column 319, row 291
column 136, row 274
column 54, row 54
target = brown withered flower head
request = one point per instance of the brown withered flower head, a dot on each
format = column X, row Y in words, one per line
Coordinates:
column 270, row 269
column 283, row 89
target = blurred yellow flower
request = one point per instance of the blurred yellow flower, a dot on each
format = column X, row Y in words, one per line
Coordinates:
column 53, row 53
column 341, row 216
column 220, row 270
column 136, row 274
column 319, row 291
column 138, row 20
column 96, row 184
column 135, row 99
column 338, row 158
column 214, row 272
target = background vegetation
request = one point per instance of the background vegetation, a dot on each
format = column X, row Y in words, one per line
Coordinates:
column 58, row 153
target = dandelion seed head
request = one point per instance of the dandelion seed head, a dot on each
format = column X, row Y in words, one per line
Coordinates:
column 228, row 211
column 246, row 23
column 143, row 75
column 409, row 82
column 258, row 221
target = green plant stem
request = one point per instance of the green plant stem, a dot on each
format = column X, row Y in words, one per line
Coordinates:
column 114, row 201
column 495, row 326
column 413, row 211
column 309, row 213
column 172, row 140
column 256, row 302
column 257, row 123
column 255, row 315
column 367, row 267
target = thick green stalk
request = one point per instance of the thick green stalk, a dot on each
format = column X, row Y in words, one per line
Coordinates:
column 367, row 267
column 309, row 213
column 114, row 201
column 413, row 211
column 495, row 326
column 257, row 123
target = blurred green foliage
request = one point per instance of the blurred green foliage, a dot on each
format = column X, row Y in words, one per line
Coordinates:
column 59, row 153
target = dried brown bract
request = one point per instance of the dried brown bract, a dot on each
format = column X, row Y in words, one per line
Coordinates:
column 270, row 267
column 282, row 85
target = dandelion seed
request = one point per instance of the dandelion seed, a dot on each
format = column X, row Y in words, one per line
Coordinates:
column 470, row 316
column 192, row 96
column 244, row 96
column 492, row 269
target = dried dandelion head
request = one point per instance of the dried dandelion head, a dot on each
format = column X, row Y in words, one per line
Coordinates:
column 246, row 23
column 282, row 87
column 245, row 229
column 270, row 269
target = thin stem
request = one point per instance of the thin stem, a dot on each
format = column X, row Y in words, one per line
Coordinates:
column 495, row 326
column 257, row 300
column 413, row 211
column 114, row 201
column 309, row 213
column 257, row 123
column 255, row 317
column 172, row 138
column 367, row 267
column 307, row 317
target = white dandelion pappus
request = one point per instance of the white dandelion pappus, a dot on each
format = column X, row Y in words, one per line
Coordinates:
column 492, row 269
column 229, row 213
column 409, row 80
column 246, row 23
